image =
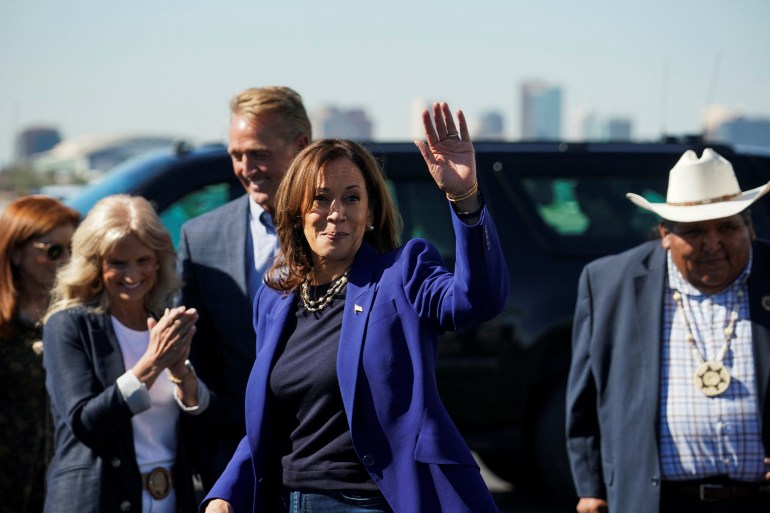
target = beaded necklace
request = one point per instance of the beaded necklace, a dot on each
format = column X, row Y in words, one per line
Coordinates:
column 711, row 377
column 316, row 305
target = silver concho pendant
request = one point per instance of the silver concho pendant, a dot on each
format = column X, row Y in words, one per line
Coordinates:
column 711, row 378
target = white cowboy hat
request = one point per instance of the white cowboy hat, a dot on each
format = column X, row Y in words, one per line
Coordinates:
column 700, row 189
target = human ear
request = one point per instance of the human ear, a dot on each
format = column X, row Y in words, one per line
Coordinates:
column 750, row 228
column 301, row 142
column 665, row 235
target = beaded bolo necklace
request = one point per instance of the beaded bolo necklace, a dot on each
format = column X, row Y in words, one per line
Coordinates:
column 316, row 305
column 711, row 377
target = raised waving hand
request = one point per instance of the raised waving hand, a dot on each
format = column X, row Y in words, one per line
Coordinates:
column 448, row 152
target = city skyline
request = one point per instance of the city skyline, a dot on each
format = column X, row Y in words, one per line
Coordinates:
column 90, row 68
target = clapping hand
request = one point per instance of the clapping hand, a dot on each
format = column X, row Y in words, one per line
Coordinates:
column 449, row 152
column 169, row 346
column 170, row 336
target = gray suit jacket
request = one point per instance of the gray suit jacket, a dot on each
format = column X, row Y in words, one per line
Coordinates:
column 212, row 262
column 614, row 381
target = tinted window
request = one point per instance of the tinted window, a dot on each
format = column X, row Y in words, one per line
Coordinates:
column 425, row 213
column 574, row 205
column 193, row 204
column 594, row 207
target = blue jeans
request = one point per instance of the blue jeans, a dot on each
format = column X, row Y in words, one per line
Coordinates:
column 329, row 502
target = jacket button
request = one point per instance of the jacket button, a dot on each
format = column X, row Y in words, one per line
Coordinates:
column 125, row 506
column 368, row 460
column 655, row 481
column 115, row 462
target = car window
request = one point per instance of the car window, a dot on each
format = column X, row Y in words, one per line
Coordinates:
column 193, row 204
column 425, row 213
column 592, row 207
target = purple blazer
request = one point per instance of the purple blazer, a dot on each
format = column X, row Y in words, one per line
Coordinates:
column 397, row 304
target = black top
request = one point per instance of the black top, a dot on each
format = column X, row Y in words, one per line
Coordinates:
column 316, row 450
column 25, row 427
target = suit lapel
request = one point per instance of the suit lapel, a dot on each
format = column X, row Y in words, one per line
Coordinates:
column 237, row 244
column 358, row 304
column 109, row 366
column 108, row 348
column 256, row 391
column 759, row 303
column 649, row 283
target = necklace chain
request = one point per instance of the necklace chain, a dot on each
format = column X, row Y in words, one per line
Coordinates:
column 316, row 305
column 729, row 330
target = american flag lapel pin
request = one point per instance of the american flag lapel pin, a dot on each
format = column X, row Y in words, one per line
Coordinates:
column 358, row 308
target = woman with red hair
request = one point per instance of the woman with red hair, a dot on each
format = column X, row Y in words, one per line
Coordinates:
column 35, row 235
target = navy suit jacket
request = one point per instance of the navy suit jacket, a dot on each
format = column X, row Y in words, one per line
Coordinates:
column 94, row 466
column 397, row 304
column 614, row 381
column 212, row 263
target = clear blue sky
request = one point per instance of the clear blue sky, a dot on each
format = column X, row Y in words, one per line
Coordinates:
column 169, row 67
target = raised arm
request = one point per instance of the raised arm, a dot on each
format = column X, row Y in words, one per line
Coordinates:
column 450, row 157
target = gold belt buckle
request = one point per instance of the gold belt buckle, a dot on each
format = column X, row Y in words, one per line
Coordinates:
column 158, row 483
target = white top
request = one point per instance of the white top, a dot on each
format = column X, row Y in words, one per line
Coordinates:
column 155, row 413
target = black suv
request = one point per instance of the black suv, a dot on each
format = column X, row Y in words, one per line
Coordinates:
column 556, row 205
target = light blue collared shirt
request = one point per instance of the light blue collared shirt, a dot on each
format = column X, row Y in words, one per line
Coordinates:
column 264, row 243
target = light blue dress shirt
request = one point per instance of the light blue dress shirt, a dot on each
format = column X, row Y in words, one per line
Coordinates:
column 264, row 242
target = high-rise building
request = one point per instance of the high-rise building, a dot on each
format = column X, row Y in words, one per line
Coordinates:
column 743, row 130
column 713, row 117
column 721, row 124
column 341, row 123
column 619, row 129
column 488, row 127
column 36, row 140
column 585, row 125
column 589, row 126
column 541, row 106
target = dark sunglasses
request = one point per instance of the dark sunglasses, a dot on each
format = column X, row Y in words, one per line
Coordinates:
column 53, row 251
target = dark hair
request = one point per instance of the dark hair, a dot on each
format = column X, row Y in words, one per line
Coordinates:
column 294, row 198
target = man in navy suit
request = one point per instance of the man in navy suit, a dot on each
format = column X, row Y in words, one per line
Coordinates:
column 668, row 401
column 224, row 253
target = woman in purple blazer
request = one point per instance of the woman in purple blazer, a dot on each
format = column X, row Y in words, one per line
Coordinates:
column 342, row 409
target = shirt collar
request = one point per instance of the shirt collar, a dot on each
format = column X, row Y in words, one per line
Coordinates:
column 257, row 212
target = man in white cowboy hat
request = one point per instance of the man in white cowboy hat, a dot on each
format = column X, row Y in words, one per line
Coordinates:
column 668, row 400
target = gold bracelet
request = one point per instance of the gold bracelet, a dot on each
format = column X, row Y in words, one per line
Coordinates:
column 179, row 381
column 465, row 196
